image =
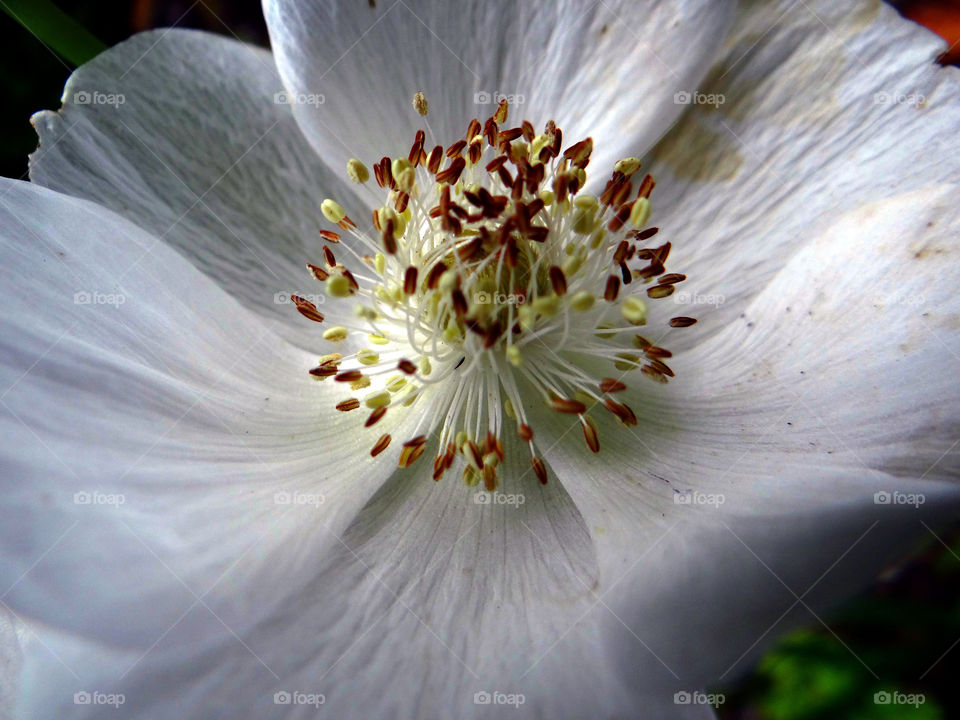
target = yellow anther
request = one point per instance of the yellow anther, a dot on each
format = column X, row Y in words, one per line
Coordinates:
column 548, row 305
column 379, row 263
column 514, row 356
column 377, row 339
column 368, row 357
column 420, row 103
column 548, row 197
column 357, row 171
column 634, row 311
column 377, row 399
column 396, row 383
column 582, row 301
column 338, row 286
column 360, row 384
column 627, row 362
column 640, row 212
column 332, row 211
column 627, row 166
column 335, row 334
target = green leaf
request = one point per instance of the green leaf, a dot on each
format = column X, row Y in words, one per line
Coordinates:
column 55, row 29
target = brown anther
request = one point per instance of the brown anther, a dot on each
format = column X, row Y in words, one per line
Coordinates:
column 558, row 280
column 307, row 308
column 410, row 280
column 317, row 272
column 621, row 252
column 381, row 445
column 329, row 257
column 400, row 204
column 376, row 219
column 646, row 234
column 579, row 153
column 349, row 376
column 671, row 278
column 455, row 149
column 651, row 270
column 354, row 285
column 375, row 416
column 348, row 405
column 505, row 177
column 414, row 156
column 497, row 163
column 625, row 274
column 661, row 367
column 452, row 173
column 508, row 136
column 657, row 352
column 433, row 162
column 330, row 235
column 459, row 302
column 568, row 407
column 324, row 371
column 433, row 277
column 466, row 251
column 406, row 367
column 525, row 432
column 682, row 322
column 490, row 478
column 590, row 435
column 654, row 374
column 612, row 289
column 491, row 132
column 623, row 413
column 660, row 291
column 641, row 343
column 473, row 129
column 491, row 335
column 611, row 385
column 646, row 187
column 539, row 469
column 475, row 152
column 387, row 170
column 528, row 131
column 618, row 220
column 438, row 467
column 475, row 455
column 378, row 175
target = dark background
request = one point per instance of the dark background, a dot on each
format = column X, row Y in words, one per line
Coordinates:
column 899, row 626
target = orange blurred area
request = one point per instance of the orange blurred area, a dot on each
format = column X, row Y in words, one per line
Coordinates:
column 941, row 16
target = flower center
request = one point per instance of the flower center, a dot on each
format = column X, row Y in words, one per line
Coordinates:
column 492, row 282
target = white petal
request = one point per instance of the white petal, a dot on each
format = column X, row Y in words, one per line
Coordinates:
column 199, row 154
column 132, row 379
column 608, row 70
column 827, row 106
column 782, row 430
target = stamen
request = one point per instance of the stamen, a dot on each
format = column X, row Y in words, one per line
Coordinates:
column 480, row 275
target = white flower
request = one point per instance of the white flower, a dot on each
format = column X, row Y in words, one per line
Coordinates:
column 191, row 528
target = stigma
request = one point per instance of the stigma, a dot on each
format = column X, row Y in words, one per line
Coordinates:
column 490, row 280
